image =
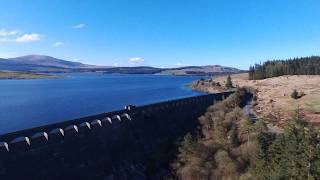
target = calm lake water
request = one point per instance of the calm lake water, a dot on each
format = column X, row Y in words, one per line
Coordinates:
column 30, row 103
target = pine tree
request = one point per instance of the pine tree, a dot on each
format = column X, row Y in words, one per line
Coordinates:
column 278, row 158
column 313, row 154
column 294, row 154
column 262, row 164
column 229, row 82
column 234, row 136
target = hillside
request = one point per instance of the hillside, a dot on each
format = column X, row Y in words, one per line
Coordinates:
column 46, row 61
column 231, row 146
column 274, row 94
column 201, row 70
column 41, row 63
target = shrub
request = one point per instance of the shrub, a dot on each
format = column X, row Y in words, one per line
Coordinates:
column 227, row 167
column 255, row 98
column 187, row 148
column 210, row 155
column 295, row 94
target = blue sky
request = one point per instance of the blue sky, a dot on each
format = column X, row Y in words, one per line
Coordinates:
column 162, row 33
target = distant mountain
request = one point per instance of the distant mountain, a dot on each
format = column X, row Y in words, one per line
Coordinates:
column 132, row 70
column 202, row 70
column 42, row 60
column 41, row 63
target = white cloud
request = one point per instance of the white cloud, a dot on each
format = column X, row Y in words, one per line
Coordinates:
column 179, row 64
column 56, row 44
column 78, row 26
column 28, row 38
column 3, row 32
column 136, row 60
column 116, row 64
column 17, row 36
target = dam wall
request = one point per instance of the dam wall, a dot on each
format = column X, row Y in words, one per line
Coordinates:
column 134, row 143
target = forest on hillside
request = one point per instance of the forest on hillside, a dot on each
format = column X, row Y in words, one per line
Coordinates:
column 297, row 66
column 229, row 146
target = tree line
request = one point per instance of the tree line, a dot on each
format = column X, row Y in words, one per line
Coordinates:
column 296, row 66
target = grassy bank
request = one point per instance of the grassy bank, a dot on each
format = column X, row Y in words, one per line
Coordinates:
column 25, row 75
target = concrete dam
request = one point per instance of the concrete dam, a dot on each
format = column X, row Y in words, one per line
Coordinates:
column 133, row 143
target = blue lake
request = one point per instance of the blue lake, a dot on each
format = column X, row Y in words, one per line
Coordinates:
column 31, row 103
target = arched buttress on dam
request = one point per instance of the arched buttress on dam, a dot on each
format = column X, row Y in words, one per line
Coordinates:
column 106, row 143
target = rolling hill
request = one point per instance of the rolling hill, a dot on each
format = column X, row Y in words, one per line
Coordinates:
column 41, row 63
column 202, row 70
column 45, row 61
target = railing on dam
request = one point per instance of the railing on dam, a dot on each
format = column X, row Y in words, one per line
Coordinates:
column 34, row 137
